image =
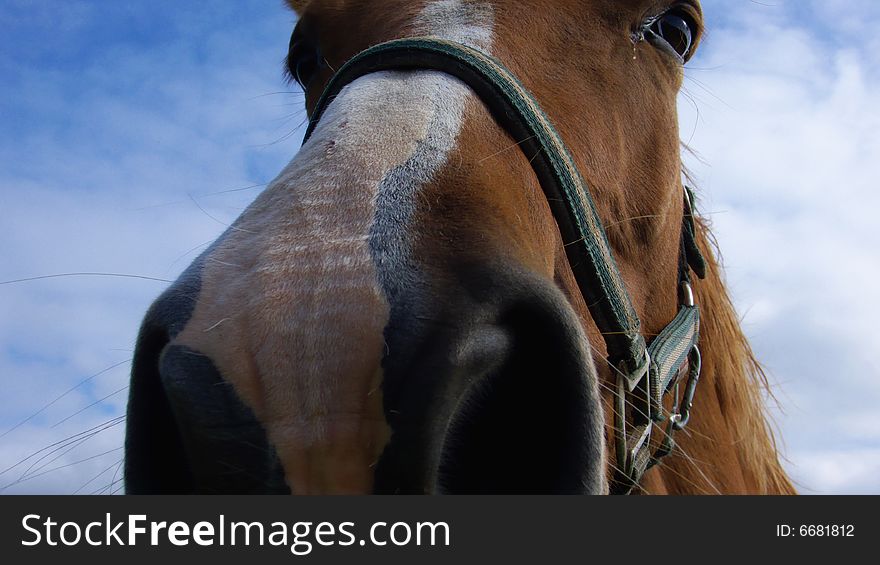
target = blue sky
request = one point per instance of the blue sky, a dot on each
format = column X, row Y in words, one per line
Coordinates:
column 133, row 132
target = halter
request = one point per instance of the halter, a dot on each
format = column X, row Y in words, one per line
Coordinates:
column 645, row 374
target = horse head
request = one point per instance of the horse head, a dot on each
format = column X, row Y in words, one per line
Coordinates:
column 397, row 312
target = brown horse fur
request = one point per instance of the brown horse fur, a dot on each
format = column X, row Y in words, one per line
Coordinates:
column 729, row 447
column 613, row 100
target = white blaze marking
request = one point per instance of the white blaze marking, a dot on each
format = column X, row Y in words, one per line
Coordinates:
column 302, row 274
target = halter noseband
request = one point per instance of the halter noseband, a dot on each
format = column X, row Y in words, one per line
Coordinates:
column 645, row 374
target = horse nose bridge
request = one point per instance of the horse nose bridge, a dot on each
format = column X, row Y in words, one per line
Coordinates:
column 292, row 300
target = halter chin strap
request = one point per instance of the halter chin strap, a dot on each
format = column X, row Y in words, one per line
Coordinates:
column 644, row 374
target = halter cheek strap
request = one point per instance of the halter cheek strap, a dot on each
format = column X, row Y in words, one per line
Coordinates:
column 676, row 361
column 644, row 374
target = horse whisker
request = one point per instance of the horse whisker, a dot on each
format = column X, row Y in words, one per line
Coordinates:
column 86, row 274
column 93, row 479
column 104, row 426
column 64, row 394
column 93, row 404
column 65, row 466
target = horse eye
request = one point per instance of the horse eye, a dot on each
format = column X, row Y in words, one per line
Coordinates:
column 674, row 30
column 304, row 60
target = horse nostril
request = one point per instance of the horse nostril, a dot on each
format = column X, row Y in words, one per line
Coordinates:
column 155, row 457
column 188, row 431
column 528, row 425
column 226, row 446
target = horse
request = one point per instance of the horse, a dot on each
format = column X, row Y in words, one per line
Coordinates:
column 399, row 310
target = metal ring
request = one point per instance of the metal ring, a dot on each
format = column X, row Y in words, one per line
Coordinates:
column 687, row 294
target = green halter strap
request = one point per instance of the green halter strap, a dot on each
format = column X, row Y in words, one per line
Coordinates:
column 644, row 374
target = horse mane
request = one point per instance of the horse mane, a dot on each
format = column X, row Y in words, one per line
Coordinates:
column 738, row 379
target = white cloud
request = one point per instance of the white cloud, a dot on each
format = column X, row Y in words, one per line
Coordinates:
column 843, row 471
column 107, row 167
column 787, row 134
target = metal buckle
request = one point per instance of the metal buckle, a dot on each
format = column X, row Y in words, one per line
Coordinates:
column 635, row 377
column 681, row 417
column 681, row 410
column 687, row 295
column 687, row 199
column 628, row 448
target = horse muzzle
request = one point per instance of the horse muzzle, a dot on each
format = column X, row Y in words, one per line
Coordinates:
column 486, row 386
